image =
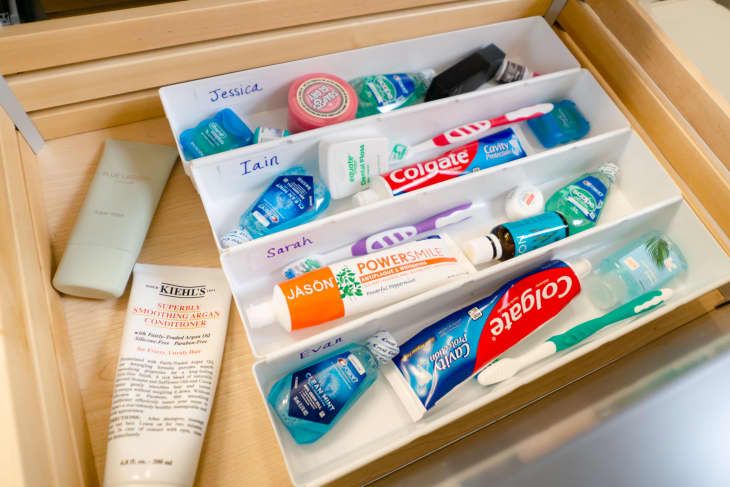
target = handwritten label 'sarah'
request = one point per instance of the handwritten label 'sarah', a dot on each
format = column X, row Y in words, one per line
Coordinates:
column 301, row 242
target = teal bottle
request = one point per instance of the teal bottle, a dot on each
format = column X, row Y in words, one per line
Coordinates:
column 219, row 133
column 294, row 197
column 382, row 93
column 580, row 203
column 646, row 264
column 311, row 400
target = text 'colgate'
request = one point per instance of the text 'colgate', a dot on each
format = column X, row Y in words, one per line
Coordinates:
column 491, row 150
column 445, row 354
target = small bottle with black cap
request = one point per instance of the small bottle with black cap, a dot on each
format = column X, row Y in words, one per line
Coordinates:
column 516, row 238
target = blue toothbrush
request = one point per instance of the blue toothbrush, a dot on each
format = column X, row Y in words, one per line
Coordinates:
column 505, row 368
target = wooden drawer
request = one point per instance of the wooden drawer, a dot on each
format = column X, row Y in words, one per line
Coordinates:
column 94, row 77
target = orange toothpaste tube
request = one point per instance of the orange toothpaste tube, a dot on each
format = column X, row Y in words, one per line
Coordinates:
column 361, row 284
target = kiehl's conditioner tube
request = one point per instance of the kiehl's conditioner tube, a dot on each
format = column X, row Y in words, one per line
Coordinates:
column 167, row 374
column 114, row 219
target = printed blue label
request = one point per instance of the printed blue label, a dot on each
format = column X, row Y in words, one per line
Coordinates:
column 319, row 392
column 390, row 90
column 497, row 148
column 287, row 198
column 587, row 196
column 536, row 231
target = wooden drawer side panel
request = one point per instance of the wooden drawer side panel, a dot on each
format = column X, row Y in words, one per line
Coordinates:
column 127, row 84
column 46, row 410
column 104, row 35
column 693, row 163
column 677, row 76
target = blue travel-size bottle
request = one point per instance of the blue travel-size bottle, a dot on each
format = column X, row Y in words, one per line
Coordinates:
column 311, row 400
column 294, row 197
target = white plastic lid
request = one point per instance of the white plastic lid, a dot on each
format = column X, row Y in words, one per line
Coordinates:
column 236, row 236
column 261, row 314
column 581, row 266
column 383, row 346
column 610, row 170
column 366, row 197
column 524, row 201
column 483, row 249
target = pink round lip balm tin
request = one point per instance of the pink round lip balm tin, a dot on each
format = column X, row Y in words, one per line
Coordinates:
column 320, row 99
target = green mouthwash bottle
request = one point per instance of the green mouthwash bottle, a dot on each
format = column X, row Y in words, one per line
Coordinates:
column 646, row 264
column 383, row 93
column 580, row 202
column 570, row 210
column 311, row 400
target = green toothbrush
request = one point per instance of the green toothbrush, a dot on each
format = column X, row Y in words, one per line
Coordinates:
column 505, row 368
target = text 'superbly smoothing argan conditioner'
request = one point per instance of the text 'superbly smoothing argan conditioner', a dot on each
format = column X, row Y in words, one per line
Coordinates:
column 167, row 374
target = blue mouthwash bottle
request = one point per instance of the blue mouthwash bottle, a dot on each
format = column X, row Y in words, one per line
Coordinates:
column 293, row 198
column 383, row 93
column 645, row 264
column 219, row 133
column 311, row 400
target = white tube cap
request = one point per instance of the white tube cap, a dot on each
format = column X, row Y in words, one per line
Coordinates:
column 366, row 197
column 581, row 266
column 524, row 201
column 261, row 314
column 483, row 249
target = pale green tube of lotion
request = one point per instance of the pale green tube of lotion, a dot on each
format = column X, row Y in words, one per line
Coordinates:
column 114, row 219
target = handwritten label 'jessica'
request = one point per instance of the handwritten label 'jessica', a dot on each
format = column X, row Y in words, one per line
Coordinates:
column 243, row 89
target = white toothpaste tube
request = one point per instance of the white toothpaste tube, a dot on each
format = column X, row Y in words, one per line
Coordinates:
column 361, row 284
column 167, row 374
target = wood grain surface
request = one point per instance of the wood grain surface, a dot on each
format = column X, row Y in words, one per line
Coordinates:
column 240, row 440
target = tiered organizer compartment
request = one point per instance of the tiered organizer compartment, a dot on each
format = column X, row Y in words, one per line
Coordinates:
column 530, row 41
column 644, row 198
column 252, row 271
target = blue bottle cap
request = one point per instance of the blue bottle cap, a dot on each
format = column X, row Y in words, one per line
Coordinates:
column 563, row 124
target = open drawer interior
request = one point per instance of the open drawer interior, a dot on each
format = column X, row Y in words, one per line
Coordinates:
column 643, row 198
column 239, row 441
column 378, row 423
column 259, row 95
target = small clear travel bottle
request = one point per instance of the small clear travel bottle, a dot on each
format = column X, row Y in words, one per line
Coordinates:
column 645, row 264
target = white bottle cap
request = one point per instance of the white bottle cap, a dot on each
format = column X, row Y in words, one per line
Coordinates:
column 581, row 266
column 610, row 170
column 366, row 197
column 234, row 237
column 483, row 249
column 524, row 201
column 383, row 346
column 261, row 315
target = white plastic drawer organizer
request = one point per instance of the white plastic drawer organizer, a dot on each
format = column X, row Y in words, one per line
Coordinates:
column 644, row 198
